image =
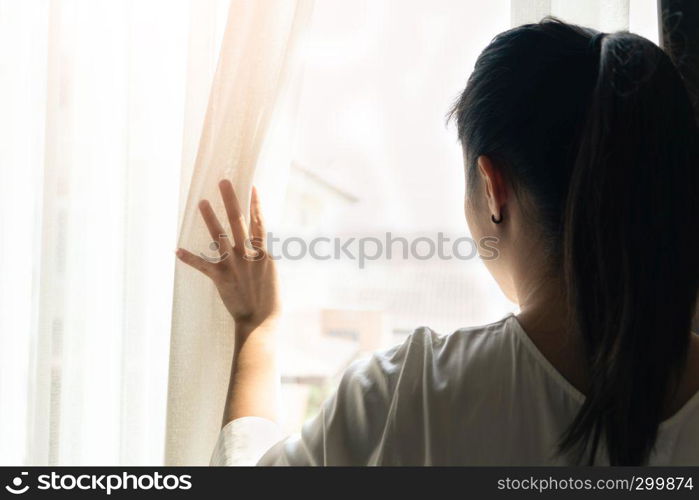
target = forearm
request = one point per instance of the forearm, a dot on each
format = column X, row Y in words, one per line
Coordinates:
column 253, row 389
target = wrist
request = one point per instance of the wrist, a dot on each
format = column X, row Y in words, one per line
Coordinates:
column 265, row 329
column 255, row 350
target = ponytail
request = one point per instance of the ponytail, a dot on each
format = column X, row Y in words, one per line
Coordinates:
column 630, row 247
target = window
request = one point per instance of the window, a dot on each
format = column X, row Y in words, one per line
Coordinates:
column 372, row 156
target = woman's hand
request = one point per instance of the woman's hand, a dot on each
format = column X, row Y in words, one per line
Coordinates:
column 244, row 274
column 246, row 279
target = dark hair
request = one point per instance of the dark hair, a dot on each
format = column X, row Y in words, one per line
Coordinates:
column 598, row 130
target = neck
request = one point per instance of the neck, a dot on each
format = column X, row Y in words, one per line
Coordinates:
column 539, row 288
column 544, row 316
column 543, row 305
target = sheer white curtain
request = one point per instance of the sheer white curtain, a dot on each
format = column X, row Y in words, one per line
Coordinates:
column 92, row 94
column 254, row 69
column 109, row 109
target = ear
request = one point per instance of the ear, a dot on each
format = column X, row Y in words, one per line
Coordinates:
column 495, row 185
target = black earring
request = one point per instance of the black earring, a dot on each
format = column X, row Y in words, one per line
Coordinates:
column 496, row 221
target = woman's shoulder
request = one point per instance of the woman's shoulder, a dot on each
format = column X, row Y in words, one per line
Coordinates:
column 442, row 356
column 465, row 344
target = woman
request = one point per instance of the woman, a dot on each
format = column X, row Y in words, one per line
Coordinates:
column 581, row 156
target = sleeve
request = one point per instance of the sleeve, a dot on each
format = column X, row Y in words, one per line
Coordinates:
column 244, row 440
column 352, row 425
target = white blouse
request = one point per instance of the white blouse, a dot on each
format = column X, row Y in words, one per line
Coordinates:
column 479, row 396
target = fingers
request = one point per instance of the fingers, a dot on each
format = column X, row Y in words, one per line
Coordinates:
column 235, row 216
column 196, row 262
column 214, row 226
column 257, row 224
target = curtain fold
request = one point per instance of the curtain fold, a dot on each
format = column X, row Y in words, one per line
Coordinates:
column 254, row 67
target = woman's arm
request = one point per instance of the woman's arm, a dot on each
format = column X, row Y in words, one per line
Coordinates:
column 246, row 280
column 350, row 428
